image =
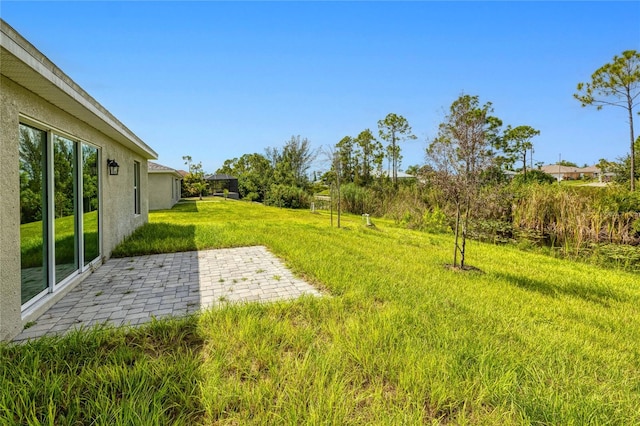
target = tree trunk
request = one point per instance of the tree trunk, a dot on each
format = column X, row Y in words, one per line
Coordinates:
column 633, row 150
column 395, row 161
column 464, row 235
column 331, row 203
column 339, row 205
column 455, row 245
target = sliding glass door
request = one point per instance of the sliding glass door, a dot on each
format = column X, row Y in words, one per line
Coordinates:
column 33, row 211
column 90, row 204
column 65, row 224
column 59, row 210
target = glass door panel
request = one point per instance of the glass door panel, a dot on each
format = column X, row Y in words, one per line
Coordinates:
column 32, row 212
column 64, row 208
column 90, row 203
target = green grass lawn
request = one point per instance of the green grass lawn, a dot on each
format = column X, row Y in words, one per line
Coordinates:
column 399, row 338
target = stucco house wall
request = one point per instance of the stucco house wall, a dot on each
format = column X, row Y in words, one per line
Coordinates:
column 164, row 186
column 570, row 172
column 34, row 91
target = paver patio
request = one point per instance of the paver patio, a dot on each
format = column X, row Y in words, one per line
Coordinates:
column 132, row 290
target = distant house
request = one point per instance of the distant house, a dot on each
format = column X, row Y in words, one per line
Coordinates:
column 400, row 175
column 74, row 183
column 165, row 186
column 509, row 174
column 572, row 173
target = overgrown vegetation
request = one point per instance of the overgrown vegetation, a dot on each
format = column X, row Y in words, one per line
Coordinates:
column 526, row 339
column 468, row 186
column 147, row 375
column 194, row 183
column 278, row 178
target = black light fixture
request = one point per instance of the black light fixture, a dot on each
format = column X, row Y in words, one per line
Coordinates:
column 114, row 167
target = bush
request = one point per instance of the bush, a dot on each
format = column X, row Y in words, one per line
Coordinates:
column 435, row 221
column 287, row 196
column 534, row 176
column 252, row 196
column 618, row 255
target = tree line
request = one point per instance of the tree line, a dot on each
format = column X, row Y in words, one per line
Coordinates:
column 462, row 185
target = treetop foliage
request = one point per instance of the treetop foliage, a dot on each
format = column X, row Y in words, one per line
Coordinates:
column 617, row 84
column 194, row 183
column 394, row 129
column 274, row 176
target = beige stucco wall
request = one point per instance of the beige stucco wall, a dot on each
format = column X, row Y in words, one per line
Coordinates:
column 162, row 191
column 10, row 322
column 117, row 221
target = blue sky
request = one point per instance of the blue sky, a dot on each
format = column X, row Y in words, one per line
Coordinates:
column 215, row 80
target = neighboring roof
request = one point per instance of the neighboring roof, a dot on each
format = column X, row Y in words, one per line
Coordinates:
column 159, row 168
column 555, row 169
column 590, row 169
column 22, row 63
column 399, row 174
column 220, row 177
column 183, row 173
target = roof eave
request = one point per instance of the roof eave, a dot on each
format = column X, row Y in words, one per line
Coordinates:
column 166, row 172
column 34, row 71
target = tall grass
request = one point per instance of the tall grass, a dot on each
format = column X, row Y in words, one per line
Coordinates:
column 399, row 339
column 578, row 215
column 147, row 375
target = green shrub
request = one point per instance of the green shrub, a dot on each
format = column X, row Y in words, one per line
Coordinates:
column 287, row 197
column 252, row 196
column 435, row 221
column 534, row 176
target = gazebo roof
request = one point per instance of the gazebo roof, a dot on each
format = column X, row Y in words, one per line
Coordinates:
column 220, row 177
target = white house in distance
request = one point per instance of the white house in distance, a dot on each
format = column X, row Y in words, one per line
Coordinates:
column 165, row 186
column 74, row 183
column 560, row 172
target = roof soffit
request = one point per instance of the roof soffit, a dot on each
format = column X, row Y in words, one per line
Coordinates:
column 26, row 66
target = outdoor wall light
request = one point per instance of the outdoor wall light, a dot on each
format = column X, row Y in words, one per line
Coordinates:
column 114, row 167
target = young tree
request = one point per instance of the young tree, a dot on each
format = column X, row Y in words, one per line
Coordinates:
column 194, row 182
column 394, row 129
column 370, row 155
column 346, row 156
column 413, row 170
column 459, row 154
column 605, row 166
column 616, row 84
column 337, row 166
column 516, row 142
column 333, row 177
column 292, row 162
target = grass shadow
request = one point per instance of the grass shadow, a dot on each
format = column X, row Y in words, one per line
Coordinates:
column 601, row 296
column 185, row 206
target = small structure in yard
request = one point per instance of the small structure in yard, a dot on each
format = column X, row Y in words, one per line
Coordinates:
column 221, row 182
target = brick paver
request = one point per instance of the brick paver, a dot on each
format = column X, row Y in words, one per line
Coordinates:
column 132, row 290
